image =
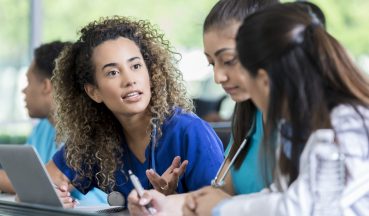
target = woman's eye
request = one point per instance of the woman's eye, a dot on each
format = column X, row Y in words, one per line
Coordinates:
column 112, row 73
column 231, row 62
column 136, row 66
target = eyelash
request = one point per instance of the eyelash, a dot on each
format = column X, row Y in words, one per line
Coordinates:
column 230, row 62
column 134, row 66
column 110, row 73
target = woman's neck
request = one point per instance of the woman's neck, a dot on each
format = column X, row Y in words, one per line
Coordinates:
column 136, row 130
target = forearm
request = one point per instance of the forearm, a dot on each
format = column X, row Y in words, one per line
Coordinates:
column 252, row 204
column 57, row 176
column 5, row 184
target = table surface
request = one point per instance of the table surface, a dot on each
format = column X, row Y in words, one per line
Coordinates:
column 8, row 207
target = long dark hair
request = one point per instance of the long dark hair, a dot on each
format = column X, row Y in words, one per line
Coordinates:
column 223, row 13
column 309, row 71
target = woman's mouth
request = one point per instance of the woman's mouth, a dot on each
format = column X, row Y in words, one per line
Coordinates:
column 132, row 96
column 230, row 90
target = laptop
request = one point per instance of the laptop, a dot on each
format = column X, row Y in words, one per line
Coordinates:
column 28, row 175
column 31, row 181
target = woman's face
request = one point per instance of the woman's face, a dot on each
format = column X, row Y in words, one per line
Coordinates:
column 220, row 50
column 122, row 78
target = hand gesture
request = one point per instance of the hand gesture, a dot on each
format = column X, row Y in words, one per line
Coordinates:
column 168, row 182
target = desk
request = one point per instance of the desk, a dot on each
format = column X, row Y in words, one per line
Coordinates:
column 12, row 208
column 8, row 207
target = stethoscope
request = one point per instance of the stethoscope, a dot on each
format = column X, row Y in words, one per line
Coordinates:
column 219, row 182
column 116, row 198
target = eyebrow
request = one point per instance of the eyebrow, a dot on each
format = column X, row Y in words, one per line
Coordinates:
column 218, row 52
column 113, row 64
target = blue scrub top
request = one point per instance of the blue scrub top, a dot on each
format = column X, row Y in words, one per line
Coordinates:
column 249, row 178
column 184, row 135
column 42, row 138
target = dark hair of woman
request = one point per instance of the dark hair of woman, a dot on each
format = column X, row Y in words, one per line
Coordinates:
column 222, row 14
column 309, row 72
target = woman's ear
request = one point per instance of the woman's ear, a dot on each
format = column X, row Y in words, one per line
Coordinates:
column 93, row 92
column 47, row 86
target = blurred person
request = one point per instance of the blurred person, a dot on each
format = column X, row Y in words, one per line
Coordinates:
column 125, row 108
column 40, row 105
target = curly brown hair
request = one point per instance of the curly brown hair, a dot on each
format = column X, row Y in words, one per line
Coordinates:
column 89, row 129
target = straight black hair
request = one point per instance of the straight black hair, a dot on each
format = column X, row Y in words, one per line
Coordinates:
column 309, row 72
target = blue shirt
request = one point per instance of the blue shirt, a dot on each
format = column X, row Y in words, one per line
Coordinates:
column 184, row 135
column 42, row 138
column 249, row 178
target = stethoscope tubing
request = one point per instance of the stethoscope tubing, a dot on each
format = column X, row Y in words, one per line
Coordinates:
column 219, row 183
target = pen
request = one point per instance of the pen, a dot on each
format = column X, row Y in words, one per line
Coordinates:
column 136, row 183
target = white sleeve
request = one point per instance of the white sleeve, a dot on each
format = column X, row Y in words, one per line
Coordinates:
column 261, row 204
column 352, row 136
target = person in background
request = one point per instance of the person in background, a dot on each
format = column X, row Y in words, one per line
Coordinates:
column 125, row 108
column 40, row 105
column 219, row 33
column 307, row 85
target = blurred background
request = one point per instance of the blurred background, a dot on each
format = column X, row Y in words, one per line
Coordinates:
column 25, row 24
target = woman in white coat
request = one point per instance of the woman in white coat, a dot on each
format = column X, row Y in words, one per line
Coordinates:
column 306, row 84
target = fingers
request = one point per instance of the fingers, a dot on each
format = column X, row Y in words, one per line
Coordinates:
column 65, row 196
column 189, row 206
column 145, row 199
column 134, row 207
column 176, row 162
column 63, row 187
column 66, row 199
column 133, row 197
column 181, row 169
column 157, row 181
column 138, row 205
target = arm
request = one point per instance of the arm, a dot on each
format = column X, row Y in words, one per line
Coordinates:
column 204, row 151
column 57, row 176
column 62, row 183
column 5, row 184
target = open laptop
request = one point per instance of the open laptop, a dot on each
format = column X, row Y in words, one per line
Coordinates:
column 28, row 176
column 31, row 181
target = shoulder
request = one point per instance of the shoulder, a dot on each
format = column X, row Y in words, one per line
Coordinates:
column 351, row 124
column 348, row 116
column 191, row 131
column 183, row 119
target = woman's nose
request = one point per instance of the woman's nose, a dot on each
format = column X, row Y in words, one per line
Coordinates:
column 220, row 76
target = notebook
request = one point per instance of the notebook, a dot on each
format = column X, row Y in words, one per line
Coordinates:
column 31, row 181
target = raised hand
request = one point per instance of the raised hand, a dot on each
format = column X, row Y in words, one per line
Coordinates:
column 168, row 182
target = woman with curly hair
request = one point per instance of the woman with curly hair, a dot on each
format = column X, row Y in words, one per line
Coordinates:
column 121, row 105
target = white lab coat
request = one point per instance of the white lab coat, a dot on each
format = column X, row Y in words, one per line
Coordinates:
column 351, row 133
